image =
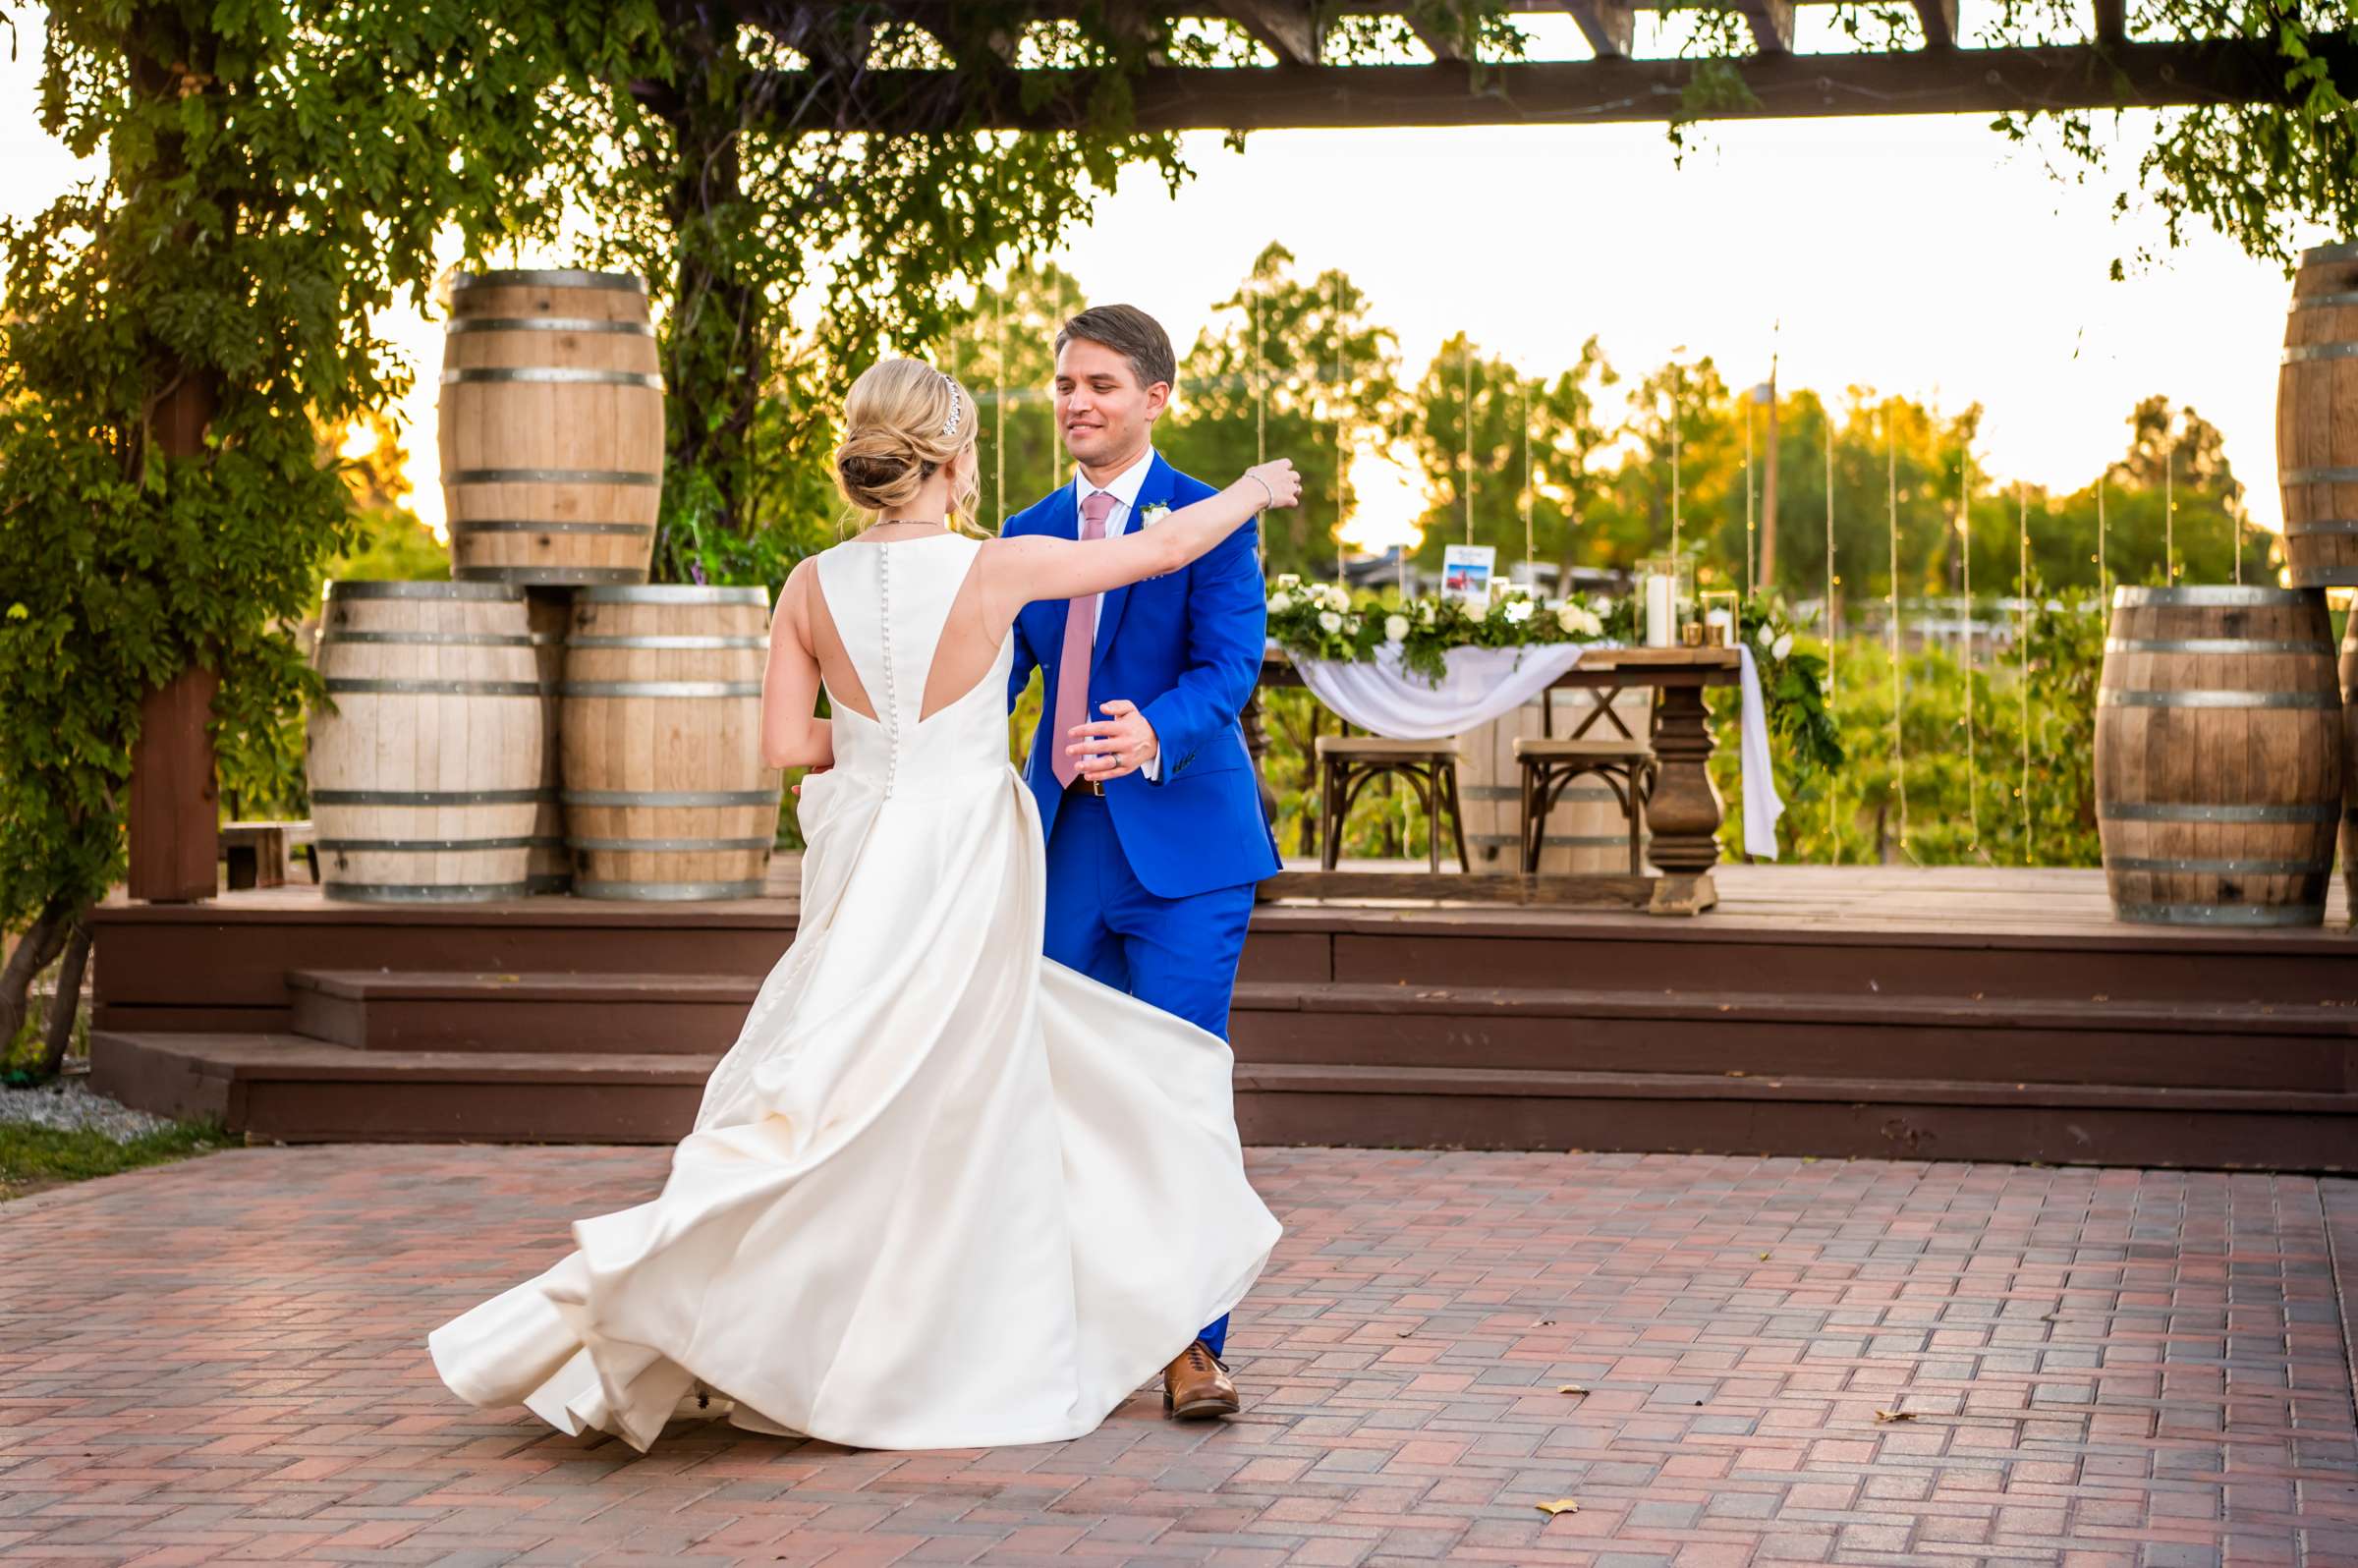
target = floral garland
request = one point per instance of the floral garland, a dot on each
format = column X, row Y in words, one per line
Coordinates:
column 1321, row 621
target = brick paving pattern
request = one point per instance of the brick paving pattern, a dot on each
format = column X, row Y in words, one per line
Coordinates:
column 223, row 1362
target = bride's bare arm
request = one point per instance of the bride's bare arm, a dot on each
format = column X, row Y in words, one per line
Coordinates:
column 792, row 735
column 1028, row 567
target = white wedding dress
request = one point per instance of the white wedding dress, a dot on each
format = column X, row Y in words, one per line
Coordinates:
column 942, row 1193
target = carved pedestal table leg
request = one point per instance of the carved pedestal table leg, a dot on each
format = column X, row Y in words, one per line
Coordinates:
column 1684, row 812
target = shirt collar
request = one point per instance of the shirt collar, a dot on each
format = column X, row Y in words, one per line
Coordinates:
column 1125, row 487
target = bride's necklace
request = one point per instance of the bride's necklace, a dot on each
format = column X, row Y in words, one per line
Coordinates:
column 882, row 524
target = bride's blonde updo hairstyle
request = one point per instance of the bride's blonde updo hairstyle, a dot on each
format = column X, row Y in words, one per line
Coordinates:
column 903, row 422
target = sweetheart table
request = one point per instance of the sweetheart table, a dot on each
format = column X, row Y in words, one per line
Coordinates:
column 1684, row 810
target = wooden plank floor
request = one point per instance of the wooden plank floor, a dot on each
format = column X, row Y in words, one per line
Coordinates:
column 2003, row 899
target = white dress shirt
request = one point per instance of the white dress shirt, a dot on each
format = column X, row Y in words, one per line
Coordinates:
column 1124, row 488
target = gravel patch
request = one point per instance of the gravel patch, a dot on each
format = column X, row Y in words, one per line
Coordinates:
column 69, row 1104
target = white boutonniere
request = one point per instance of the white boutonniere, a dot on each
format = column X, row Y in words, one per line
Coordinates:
column 1148, row 517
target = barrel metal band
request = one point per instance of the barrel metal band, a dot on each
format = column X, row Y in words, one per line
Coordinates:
column 2319, row 476
column 2158, row 812
column 2214, row 645
column 425, row 797
column 527, row 525
column 547, row 323
column 2317, row 577
column 662, row 689
column 670, row 797
column 667, row 846
column 678, row 593
column 2206, row 596
column 651, row 892
column 2346, row 250
column 486, row 593
column 429, row 638
column 2333, row 525
column 683, row 641
column 421, row 892
column 2222, row 913
column 342, row 683
column 2321, row 351
column 417, row 846
column 556, row 477
column 549, row 278
column 2244, row 699
column 2325, row 302
column 2139, row 862
column 554, row 575
column 557, row 374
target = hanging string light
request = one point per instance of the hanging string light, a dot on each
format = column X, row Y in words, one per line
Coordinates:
column 1260, row 387
column 1055, row 446
column 1899, row 755
column 1832, row 633
column 1973, row 788
column 2022, row 639
column 2103, row 566
column 2170, row 513
column 1675, row 483
column 1342, row 392
column 1465, row 363
column 1747, row 523
column 998, row 403
column 1529, row 569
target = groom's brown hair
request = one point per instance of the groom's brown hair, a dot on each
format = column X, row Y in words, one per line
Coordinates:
column 1131, row 333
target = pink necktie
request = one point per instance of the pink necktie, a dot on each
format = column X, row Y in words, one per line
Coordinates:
column 1080, row 637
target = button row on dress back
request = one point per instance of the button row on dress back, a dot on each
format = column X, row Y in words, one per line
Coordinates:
column 892, row 700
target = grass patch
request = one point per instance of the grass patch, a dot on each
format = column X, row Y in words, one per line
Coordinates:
column 32, row 1158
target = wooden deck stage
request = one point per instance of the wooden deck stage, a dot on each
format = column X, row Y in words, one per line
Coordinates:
column 1980, row 1014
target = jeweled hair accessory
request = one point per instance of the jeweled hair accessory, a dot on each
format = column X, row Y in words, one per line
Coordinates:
column 949, row 427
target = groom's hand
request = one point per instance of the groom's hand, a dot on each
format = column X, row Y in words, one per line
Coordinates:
column 1121, row 743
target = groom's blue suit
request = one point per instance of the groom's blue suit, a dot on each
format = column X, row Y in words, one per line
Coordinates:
column 1150, row 888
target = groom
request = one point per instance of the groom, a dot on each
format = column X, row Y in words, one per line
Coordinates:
column 1148, row 799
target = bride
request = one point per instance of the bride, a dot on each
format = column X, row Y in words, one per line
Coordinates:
column 942, row 1193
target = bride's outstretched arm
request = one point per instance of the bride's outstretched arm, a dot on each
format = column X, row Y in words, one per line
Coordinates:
column 792, row 735
column 1033, row 567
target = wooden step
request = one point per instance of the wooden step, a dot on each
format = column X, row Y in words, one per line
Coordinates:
column 1871, row 1118
column 286, row 1089
column 1736, row 1034
column 433, row 1010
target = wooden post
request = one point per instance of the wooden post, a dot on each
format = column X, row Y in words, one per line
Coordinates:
column 175, row 833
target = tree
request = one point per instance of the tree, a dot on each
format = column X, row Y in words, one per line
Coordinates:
column 1287, row 367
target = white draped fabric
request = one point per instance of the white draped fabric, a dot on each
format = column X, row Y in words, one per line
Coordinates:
column 1480, row 684
column 942, row 1193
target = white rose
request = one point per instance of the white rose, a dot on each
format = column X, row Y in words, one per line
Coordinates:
column 1518, row 611
column 1577, row 621
column 1395, row 628
column 1782, row 646
column 1280, row 603
column 1338, row 598
column 1425, row 611
column 1288, row 580
column 1329, row 622
column 1766, row 637
column 1351, row 624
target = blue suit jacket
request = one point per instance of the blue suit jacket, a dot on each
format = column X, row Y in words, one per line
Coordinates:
column 1186, row 647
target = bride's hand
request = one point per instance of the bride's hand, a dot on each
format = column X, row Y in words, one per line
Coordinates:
column 1278, row 479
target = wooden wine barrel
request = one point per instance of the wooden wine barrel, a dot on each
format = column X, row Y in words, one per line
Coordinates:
column 2218, row 755
column 1586, row 831
column 2350, row 760
column 2317, row 420
column 423, row 774
column 551, row 427
column 549, row 613
column 665, row 794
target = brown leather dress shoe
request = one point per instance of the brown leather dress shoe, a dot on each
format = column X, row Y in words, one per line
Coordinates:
column 1196, row 1387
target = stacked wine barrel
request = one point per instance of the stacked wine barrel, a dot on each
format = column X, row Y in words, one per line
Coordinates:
column 665, row 794
column 2219, row 752
column 551, row 428
column 426, row 767
column 2317, row 420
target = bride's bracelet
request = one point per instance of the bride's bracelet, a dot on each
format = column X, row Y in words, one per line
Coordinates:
column 1265, row 488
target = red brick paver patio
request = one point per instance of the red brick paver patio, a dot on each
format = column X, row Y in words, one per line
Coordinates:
column 223, row 1362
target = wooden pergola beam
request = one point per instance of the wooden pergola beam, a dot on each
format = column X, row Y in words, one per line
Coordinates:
column 1288, row 27
column 1939, row 20
column 1610, row 25
column 1572, row 92
column 2111, row 20
column 1772, row 23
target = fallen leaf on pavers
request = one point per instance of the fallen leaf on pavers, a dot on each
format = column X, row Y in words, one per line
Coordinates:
column 1896, row 1415
column 1763, row 1257
column 1571, row 1388
column 1544, row 1322
column 1404, row 1333
column 1562, row 1505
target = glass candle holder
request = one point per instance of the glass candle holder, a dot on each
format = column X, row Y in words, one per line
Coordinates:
column 1720, row 617
column 1665, row 589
